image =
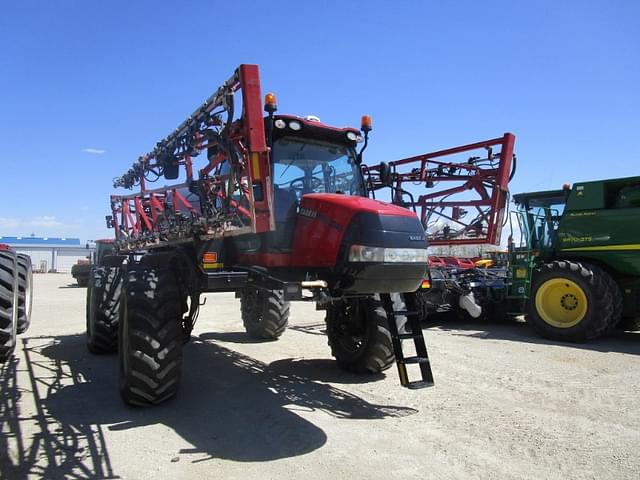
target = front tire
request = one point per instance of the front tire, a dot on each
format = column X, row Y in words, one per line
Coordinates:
column 570, row 301
column 359, row 335
column 8, row 303
column 265, row 314
column 150, row 336
column 103, row 309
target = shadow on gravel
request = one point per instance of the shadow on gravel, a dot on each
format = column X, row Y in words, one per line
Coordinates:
column 230, row 406
column 323, row 370
column 41, row 446
column 315, row 329
column 230, row 337
column 242, row 337
column 518, row 331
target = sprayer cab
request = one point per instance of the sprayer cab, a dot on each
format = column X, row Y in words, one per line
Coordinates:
column 325, row 227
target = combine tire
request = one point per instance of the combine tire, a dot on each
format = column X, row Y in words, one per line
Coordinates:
column 150, row 336
column 8, row 303
column 25, row 292
column 617, row 302
column 265, row 314
column 570, row 301
column 359, row 335
column 103, row 309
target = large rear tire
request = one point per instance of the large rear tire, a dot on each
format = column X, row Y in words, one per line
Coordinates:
column 150, row 336
column 8, row 303
column 265, row 314
column 359, row 335
column 570, row 301
column 103, row 309
column 25, row 292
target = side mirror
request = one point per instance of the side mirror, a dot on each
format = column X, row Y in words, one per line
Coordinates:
column 385, row 174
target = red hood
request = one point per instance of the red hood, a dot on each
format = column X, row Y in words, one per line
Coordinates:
column 324, row 218
column 359, row 204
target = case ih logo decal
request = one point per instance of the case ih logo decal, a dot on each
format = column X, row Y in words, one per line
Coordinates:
column 307, row 212
column 320, row 217
column 416, row 238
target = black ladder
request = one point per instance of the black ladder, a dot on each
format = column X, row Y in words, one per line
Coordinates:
column 414, row 332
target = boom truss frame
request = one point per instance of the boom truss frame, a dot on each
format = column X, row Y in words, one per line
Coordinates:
column 214, row 201
column 478, row 184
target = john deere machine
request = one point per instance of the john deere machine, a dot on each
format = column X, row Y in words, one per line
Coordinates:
column 573, row 270
column 578, row 272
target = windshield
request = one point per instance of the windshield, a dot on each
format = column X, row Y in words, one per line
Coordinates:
column 540, row 221
column 310, row 166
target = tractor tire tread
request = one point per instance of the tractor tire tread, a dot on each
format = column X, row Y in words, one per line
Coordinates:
column 265, row 313
column 25, row 292
column 8, row 303
column 376, row 354
column 103, row 309
column 155, row 337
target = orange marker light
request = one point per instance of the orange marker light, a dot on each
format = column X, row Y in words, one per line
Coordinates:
column 270, row 103
column 365, row 124
column 210, row 257
column 425, row 284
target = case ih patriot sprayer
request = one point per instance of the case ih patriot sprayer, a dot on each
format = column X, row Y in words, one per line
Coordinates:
column 278, row 211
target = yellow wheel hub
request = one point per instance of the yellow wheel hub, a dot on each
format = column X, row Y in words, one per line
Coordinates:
column 561, row 302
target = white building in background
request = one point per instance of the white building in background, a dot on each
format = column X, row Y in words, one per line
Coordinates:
column 50, row 254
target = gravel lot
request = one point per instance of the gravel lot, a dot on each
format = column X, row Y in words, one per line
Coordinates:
column 506, row 405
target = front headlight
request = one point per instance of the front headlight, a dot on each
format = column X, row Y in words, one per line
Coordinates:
column 362, row 253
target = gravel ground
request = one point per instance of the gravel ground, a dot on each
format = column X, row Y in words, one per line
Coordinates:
column 506, row 405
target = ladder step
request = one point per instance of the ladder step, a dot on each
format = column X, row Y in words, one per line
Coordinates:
column 413, row 332
column 419, row 384
column 409, row 336
column 415, row 360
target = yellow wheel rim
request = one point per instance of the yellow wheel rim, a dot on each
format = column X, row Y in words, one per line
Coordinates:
column 561, row 302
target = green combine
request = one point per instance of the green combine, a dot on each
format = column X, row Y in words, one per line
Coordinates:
column 574, row 270
column 577, row 274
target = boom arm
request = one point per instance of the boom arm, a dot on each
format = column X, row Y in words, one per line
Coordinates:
column 218, row 200
column 465, row 199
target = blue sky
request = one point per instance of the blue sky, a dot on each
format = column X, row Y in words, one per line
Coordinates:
column 86, row 87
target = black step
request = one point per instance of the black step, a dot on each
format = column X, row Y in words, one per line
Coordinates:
column 415, row 360
column 419, row 384
column 409, row 336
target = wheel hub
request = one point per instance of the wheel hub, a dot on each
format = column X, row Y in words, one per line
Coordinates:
column 569, row 301
column 561, row 302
